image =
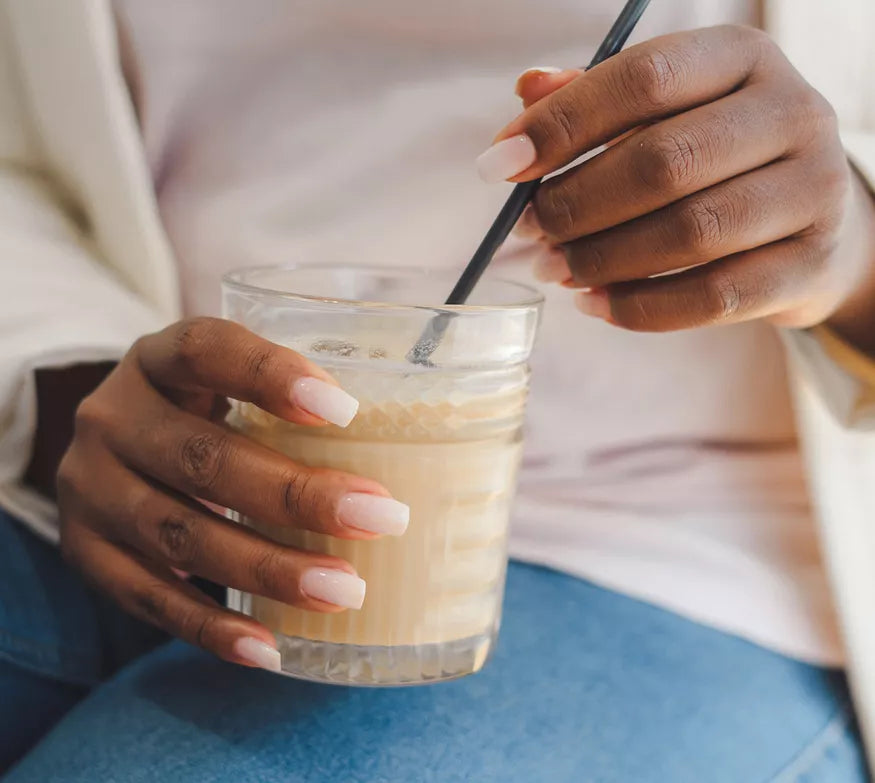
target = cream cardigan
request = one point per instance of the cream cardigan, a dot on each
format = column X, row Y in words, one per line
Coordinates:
column 85, row 266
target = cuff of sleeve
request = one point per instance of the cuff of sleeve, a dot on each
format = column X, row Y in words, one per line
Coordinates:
column 842, row 376
column 95, row 342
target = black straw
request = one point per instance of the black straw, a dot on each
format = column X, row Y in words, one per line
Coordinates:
column 521, row 195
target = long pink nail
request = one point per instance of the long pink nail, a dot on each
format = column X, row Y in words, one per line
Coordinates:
column 506, row 159
column 334, row 587
column 552, row 266
column 373, row 513
column 594, row 302
column 258, row 653
column 324, row 400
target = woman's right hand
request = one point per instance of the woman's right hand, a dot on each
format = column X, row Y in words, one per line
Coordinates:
column 149, row 441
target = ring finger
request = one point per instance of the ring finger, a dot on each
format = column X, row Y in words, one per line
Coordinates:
column 183, row 534
column 754, row 209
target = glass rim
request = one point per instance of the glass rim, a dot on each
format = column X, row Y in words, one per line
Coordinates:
column 236, row 279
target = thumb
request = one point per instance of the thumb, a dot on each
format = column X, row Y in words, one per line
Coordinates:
column 537, row 83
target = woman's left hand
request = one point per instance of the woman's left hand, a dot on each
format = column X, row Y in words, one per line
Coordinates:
column 723, row 162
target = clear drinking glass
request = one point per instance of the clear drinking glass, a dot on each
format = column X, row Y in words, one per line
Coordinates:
column 443, row 436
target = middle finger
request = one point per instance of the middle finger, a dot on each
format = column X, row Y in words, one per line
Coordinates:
column 208, row 461
column 665, row 162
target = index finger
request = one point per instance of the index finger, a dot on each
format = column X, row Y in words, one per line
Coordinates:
column 649, row 81
column 223, row 357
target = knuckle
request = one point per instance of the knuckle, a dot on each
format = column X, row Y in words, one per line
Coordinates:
column 268, row 572
column 68, row 477
column 138, row 502
column 556, row 209
column 755, row 37
column 561, row 123
column 299, row 502
column 703, row 224
column 91, row 415
column 814, row 118
column 671, row 161
column 817, row 109
column 206, row 627
column 815, row 251
column 258, row 363
column 763, row 51
column 589, row 263
column 723, row 295
column 835, row 187
column 179, row 539
column 151, row 602
column 193, row 339
column 652, row 79
column 203, row 458
column 633, row 312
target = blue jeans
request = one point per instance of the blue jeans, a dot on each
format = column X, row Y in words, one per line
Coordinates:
column 587, row 686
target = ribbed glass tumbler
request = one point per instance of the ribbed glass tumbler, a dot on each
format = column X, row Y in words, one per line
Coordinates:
column 442, row 435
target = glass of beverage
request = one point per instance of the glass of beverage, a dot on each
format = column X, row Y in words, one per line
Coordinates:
column 443, row 434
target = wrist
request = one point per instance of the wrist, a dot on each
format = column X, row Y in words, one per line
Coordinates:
column 854, row 320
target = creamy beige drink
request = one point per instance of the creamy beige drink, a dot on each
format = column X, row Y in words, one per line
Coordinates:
column 454, row 464
column 442, row 436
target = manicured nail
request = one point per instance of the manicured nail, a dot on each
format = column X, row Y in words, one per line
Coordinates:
column 594, row 302
column 535, row 69
column 528, row 226
column 324, row 400
column 506, row 159
column 534, row 72
column 551, row 266
column 258, row 653
column 373, row 513
column 334, row 587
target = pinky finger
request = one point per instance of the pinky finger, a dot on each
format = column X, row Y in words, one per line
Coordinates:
column 773, row 281
column 155, row 595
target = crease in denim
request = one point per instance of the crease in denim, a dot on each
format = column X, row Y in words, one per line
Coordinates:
column 46, row 660
column 829, row 736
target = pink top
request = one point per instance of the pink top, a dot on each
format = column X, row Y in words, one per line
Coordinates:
column 662, row 466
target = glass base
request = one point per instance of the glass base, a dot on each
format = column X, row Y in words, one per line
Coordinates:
column 375, row 665
column 349, row 664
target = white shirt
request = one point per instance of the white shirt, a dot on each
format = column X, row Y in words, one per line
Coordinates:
column 662, row 466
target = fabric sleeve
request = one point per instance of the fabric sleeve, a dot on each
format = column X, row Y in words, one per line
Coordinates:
column 842, row 378
column 59, row 304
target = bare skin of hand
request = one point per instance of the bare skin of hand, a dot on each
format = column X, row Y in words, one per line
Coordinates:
column 724, row 194
column 149, row 441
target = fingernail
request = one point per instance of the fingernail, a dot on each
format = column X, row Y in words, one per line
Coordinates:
column 506, row 159
column 594, row 302
column 552, row 266
column 541, row 69
column 334, row 587
column 324, row 400
column 528, row 225
column 258, row 653
column 534, row 71
column 373, row 513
